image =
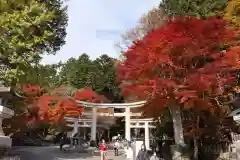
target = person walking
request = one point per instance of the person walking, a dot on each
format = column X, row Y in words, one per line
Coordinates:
column 128, row 153
column 103, row 150
column 61, row 143
column 154, row 156
column 142, row 154
column 116, row 147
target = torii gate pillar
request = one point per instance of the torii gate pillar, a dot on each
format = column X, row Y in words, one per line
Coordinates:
column 127, row 124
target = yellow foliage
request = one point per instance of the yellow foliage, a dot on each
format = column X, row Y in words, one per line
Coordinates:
column 232, row 12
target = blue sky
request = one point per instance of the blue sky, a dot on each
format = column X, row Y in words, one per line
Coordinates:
column 96, row 25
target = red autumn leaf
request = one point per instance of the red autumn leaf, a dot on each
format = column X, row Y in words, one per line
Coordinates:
column 182, row 55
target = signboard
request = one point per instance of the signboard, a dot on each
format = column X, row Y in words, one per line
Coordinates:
column 110, row 111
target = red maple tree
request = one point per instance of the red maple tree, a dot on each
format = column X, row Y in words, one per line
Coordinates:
column 181, row 60
column 186, row 63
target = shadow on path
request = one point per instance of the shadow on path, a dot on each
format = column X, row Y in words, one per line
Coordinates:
column 49, row 153
column 53, row 153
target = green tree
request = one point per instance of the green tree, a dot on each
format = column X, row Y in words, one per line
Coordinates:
column 105, row 76
column 77, row 72
column 99, row 74
column 44, row 75
column 29, row 29
column 198, row 8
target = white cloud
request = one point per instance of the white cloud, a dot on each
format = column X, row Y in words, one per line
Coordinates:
column 95, row 25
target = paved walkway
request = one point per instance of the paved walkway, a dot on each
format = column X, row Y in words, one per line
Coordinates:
column 53, row 153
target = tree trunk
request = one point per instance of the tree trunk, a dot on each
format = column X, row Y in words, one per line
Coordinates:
column 195, row 142
column 178, row 133
column 177, row 125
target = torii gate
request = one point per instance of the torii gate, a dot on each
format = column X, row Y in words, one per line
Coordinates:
column 129, row 123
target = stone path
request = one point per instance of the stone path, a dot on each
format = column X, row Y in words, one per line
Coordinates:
column 53, row 153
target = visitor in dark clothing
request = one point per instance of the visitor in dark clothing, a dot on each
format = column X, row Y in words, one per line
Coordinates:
column 62, row 142
column 142, row 154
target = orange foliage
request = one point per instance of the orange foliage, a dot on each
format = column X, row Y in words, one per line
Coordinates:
column 53, row 108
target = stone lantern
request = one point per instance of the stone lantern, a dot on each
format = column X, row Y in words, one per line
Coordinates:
column 5, row 141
